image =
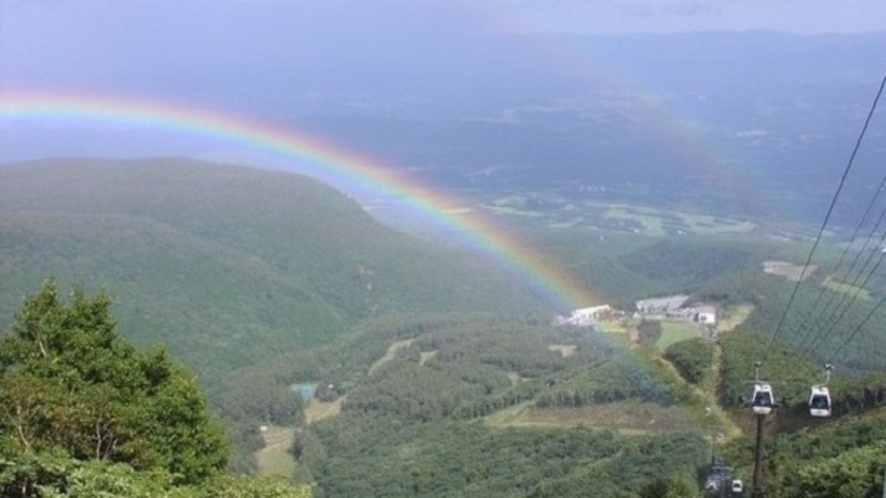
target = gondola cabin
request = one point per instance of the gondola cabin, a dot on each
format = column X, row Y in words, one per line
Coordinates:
column 763, row 400
column 820, row 402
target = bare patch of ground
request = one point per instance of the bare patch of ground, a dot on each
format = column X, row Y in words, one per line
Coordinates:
column 565, row 350
column 514, row 377
column 389, row 354
column 787, row 270
column 318, row 410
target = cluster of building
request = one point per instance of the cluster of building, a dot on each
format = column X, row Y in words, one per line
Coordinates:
column 668, row 307
column 674, row 307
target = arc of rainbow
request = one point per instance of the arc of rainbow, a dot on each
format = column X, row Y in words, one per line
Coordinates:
column 317, row 157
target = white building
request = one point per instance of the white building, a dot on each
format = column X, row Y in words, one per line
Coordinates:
column 706, row 315
column 584, row 316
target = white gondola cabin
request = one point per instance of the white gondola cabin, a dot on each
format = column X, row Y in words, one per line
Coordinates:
column 763, row 399
column 820, row 402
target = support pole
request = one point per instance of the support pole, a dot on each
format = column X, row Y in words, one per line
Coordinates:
column 759, row 490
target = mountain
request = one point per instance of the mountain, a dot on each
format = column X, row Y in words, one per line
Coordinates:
column 225, row 264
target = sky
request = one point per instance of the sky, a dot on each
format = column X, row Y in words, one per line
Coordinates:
column 141, row 45
column 656, row 16
column 81, row 43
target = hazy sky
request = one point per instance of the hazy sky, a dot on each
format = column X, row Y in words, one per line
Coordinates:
column 291, row 60
column 134, row 44
column 632, row 16
column 584, row 16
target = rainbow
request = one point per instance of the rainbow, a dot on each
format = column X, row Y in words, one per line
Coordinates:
column 315, row 157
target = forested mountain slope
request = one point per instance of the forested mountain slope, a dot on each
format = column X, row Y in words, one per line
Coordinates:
column 225, row 264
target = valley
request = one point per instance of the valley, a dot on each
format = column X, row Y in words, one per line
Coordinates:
column 420, row 353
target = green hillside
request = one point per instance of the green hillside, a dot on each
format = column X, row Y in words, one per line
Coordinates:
column 227, row 265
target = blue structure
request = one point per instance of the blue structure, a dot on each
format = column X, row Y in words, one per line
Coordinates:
column 304, row 391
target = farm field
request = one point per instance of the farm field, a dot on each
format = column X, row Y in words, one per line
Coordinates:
column 677, row 330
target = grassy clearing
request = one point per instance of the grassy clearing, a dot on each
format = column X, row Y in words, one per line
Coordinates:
column 389, row 354
column 834, row 285
column 655, row 220
column 274, row 458
column 318, row 410
column 788, row 270
column 565, row 350
column 699, row 405
column 627, row 417
column 712, row 225
column 426, row 355
column 647, row 217
column 675, row 331
column 735, row 317
column 514, row 378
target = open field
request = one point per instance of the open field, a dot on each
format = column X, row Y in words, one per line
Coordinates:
column 851, row 290
column 275, row 458
column 628, row 417
column 318, row 410
column 426, row 355
column 787, row 270
column 565, row 350
column 562, row 210
column 675, row 331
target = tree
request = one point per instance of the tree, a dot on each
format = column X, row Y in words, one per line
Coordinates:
column 648, row 331
column 69, row 383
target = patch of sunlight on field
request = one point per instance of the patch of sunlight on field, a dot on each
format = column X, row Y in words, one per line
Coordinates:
column 675, row 331
column 275, row 458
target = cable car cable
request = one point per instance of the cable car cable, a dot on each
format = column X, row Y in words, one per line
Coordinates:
column 827, row 217
column 809, row 336
column 858, row 289
column 847, row 299
column 857, row 329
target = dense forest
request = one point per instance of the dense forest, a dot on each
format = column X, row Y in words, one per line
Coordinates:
column 433, row 374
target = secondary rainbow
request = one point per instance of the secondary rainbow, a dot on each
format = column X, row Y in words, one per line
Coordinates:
column 315, row 157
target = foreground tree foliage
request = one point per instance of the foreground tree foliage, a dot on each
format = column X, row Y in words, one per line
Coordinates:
column 54, row 475
column 82, row 412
